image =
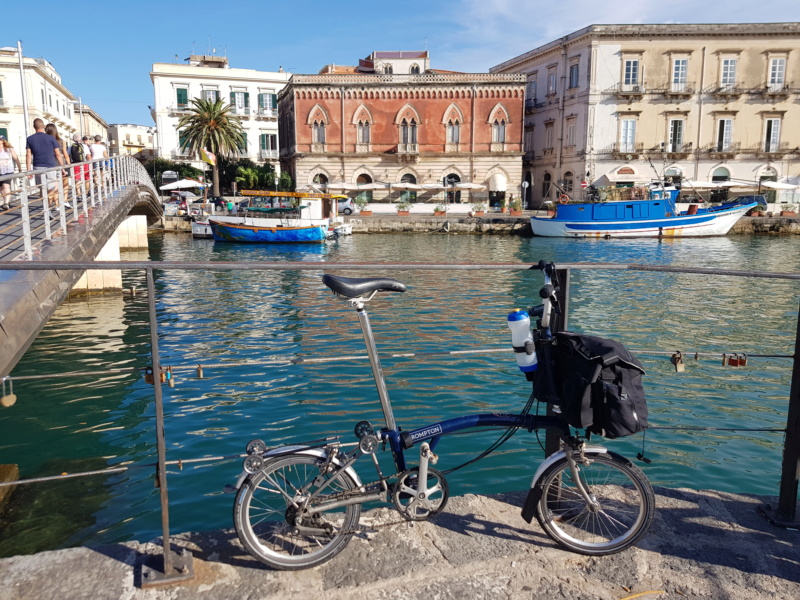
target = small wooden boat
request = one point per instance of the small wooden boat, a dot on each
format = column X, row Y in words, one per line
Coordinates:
column 272, row 234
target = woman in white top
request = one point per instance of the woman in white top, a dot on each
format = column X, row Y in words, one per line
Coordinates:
column 98, row 151
column 8, row 157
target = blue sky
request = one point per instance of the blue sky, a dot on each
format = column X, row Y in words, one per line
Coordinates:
column 106, row 59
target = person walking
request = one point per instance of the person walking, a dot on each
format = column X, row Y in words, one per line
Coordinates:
column 42, row 152
column 98, row 150
column 78, row 154
column 51, row 129
column 8, row 158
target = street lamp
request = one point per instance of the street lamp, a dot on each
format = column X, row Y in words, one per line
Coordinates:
column 525, row 185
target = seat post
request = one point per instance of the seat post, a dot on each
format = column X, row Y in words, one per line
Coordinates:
column 377, row 370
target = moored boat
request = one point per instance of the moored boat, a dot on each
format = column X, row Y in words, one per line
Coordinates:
column 656, row 216
column 248, row 233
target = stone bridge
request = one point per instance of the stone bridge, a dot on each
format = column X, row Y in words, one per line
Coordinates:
column 33, row 230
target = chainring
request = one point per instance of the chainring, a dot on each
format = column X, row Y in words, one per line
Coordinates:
column 406, row 498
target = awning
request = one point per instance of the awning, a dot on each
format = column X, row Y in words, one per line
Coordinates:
column 777, row 185
column 474, row 186
column 497, row 183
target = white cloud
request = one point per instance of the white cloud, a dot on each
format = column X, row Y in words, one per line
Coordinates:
column 488, row 32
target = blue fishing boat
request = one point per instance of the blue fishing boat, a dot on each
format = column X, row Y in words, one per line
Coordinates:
column 271, row 234
column 654, row 216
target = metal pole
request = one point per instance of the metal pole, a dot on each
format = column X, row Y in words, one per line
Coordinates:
column 160, row 441
column 790, row 469
column 24, row 88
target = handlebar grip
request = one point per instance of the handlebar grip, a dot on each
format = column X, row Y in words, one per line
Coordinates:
column 548, row 291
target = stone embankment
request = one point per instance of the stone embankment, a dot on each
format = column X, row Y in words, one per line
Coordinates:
column 703, row 544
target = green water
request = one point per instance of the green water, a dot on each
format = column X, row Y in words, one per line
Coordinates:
column 69, row 425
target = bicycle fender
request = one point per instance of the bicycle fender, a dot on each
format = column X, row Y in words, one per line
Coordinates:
column 316, row 452
column 529, row 508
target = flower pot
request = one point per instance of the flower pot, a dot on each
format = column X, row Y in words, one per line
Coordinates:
column 479, row 213
column 439, row 213
column 402, row 213
column 365, row 213
column 516, row 213
column 788, row 213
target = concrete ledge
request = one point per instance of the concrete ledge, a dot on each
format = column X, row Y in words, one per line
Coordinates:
column 710, row 545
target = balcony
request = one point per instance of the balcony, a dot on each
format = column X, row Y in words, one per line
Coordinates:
column 267, row 113
column 181, row 154
column 178, row 109
column 630, row 91
column 240, row 111
column 497, row 147
column 675, row 90
column 775, row 91
column 408, row 148
column 772, row 151
column 722, row 152
column 363, row 148
column 530, row 105
column 318, row 148
column 678, row 151
column 727, row 91
column 264, row 154
column 624, row 150
column 4, row 106
column 451, row 147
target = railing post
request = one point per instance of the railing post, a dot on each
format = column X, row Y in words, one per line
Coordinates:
column 786, row 512
column 46, row 207
column 26, row 219
column 552, row 440
column 62, row 209
column 174, row 567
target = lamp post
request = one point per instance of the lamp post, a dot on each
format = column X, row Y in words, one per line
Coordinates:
column 525, row 185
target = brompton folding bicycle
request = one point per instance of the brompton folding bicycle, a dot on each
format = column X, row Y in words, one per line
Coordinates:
column 298, row 505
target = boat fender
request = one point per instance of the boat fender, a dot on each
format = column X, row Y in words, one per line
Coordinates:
column 563, row 199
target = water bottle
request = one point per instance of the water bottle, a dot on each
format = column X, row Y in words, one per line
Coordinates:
column 519, row 322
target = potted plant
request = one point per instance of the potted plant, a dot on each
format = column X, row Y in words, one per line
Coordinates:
column 788, row 210
column 758, row 211
column 478, row 208
column 439, row 210
column 362, row 203
column 403, row 208
column 515, row 207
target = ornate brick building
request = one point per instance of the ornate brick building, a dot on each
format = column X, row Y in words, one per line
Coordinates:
column 345, row 128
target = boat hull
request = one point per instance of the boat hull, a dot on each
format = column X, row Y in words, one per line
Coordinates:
column 699, row 225
column 252, row 234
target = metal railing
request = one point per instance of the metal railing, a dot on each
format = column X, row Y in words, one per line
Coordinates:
column 784, row 515
column 43, row 202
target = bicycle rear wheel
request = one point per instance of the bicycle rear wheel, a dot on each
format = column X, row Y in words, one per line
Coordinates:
column 622, row 511
column 272, row 525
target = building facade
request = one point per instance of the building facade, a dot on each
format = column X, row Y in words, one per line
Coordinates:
column 132, row 140
column 253, row 95
column 47, row 99
column 385, row 123
column 622, row 105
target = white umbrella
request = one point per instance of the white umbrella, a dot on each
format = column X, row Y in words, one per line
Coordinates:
column 372, row 186
column 777, row 185
column 183, row 184
column 688, row 183
column 310, row 187
column 434, row 186
column 733, row 184
column 470, row 186
column 407, row 186
column 341, row 185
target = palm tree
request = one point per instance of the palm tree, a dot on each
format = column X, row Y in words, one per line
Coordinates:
column 210, row 126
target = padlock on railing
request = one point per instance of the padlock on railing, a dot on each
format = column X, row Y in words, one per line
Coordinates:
column 199, row 371
column 724, row 360
column 733, row 361
column 148, row 375
column 9, row 398
column 743, row 360
column 677, row 360
column 170, row 378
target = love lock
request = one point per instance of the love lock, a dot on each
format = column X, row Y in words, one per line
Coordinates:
column 724, row 360
column 743, row 360
column 677, row 360
column 148, row 375
column 170, row 378
column 10, row 398
column 733, row 361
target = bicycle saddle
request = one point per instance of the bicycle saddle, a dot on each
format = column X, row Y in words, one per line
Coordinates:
column 354, row 287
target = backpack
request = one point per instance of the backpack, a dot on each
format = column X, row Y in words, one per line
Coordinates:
column 76, row 154
column 599, row 385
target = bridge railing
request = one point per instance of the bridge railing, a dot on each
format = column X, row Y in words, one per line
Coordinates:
column 43, row 202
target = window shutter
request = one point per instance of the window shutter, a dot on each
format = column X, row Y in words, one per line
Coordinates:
column 183, row 96
column 274, row 101
column 247, row 99
column 263, row 139
column 233, row 98
column 4, row 132
column 261, row 101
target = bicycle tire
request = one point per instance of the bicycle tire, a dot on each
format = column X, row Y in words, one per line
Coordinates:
column 264, row 509
column 624, row 513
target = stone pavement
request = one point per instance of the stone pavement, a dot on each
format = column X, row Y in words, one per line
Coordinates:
column 709, row 545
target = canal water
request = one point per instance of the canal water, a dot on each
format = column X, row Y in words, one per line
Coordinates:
column 84, row 423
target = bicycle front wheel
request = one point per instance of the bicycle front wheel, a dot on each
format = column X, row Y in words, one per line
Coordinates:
column 620, row 512
column 278, row 525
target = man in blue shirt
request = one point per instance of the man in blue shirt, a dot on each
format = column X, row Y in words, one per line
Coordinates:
column 42, row 152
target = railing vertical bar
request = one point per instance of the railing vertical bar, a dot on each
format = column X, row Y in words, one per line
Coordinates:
column 62, row 202
column 790, row 467
column 160, row 437
column 25, row 214
column 46, row 207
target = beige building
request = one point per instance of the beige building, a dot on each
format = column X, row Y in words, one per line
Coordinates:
column 133, row 140
column 623, row 105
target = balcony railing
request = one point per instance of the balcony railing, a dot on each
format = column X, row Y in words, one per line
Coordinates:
column 178, row 109
column 181, row 153
column 728, row 90
column 240, row 111
column 363, row 147
column 264, row 154
column 407, row 148
column 772, row 150
column 451, row 147
column 497, row 147
column 621, row 149
column 679, row 89
column 631, row 89
column 678, row 151
column 317, row 147
column 269, row 113
column 722, row 151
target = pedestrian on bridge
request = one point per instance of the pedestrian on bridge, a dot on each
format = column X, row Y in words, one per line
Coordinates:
column 8, row 158
column 98, row 150
column 42, row 152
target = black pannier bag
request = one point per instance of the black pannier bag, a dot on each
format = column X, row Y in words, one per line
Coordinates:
column 599, row 385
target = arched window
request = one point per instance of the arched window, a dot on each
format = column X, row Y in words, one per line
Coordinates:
column 320, row 180
column 673, row 176
column 408, row 132
column 453, row 131
column 318, row 132
column 453, row 195
column 546, row 185
column 408, row 195
column 388, row 69
column 363, row 132
column 364, row 194
column 499, row 131
column 415, row 69
column 568, row 182
column 721, row 174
